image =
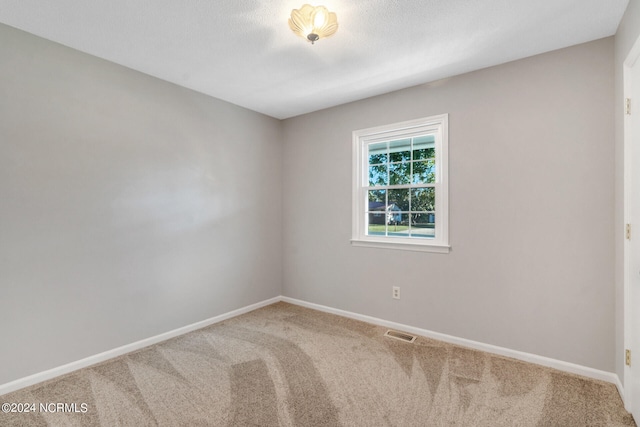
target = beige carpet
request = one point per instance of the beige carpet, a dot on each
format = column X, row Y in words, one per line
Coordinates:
column 284, row 365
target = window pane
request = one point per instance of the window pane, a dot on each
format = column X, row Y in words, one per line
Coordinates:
column 423, row 224
column 424, row 172
column 377, row 196
column 399, row 198
column 378, row 153
column 377, row 212
column 399, row 173
column 400, row 151
column 378, row 175
column 377, row 159
column 375, row 228
column 423, row 147
column 423, row 199
column 423, row 219
column 423, row 154
column 400, row 226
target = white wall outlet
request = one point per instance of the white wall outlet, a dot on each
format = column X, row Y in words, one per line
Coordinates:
column 395, row 292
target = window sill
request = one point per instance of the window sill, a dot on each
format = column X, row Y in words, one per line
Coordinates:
column 404, row 246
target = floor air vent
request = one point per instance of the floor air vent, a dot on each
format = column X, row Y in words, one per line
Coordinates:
column 400, row 336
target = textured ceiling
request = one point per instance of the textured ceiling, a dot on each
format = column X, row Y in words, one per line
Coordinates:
column 243, row 51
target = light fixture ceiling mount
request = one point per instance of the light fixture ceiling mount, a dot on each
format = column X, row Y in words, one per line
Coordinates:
column 313, row 22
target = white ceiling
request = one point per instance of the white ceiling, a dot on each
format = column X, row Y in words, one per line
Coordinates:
column 243, row 51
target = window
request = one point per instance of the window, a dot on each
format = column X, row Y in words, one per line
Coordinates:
column 400, row 191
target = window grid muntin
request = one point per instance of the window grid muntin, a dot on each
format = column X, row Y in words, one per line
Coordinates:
column 431, row 145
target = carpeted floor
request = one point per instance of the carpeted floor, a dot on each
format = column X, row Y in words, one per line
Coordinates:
column 285, row 365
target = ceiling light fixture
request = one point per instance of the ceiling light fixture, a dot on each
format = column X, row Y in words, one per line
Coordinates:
column 313, row 23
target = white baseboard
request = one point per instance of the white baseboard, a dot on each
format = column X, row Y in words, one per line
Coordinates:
column 502, row 351
column 620, row 388
column 119, row 351
column 101, row 357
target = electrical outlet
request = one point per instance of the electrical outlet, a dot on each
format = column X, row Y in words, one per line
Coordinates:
column 395, row 292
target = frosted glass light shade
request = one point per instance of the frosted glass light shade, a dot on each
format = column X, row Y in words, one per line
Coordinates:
column 313, row 23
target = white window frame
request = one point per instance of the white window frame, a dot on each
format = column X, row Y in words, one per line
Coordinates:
column 434, row 125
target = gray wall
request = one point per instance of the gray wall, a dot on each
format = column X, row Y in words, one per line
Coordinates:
column 128, row 206
column 628, row 33
column 531, row 191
